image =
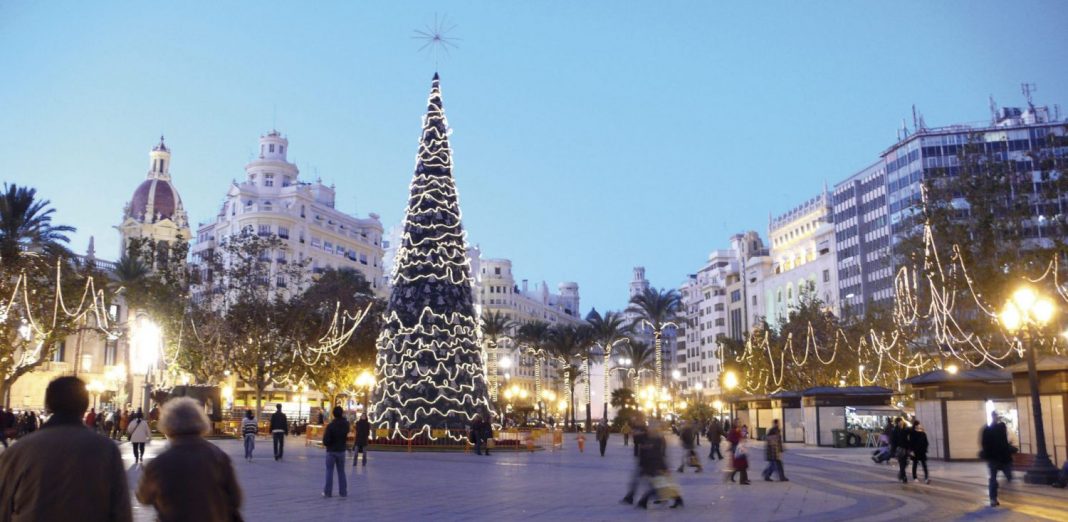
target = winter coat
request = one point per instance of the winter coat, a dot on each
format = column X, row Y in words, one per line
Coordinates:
column 279, row 422
column 687, row 436
column 64, row 472
column 651, row 458
column 899, row 438
column 335, row 436
column 602, row 432
column 192, row 480
column 740, row 460
column 363, row 432
column 918, row 444
column 995, row 444
column 138, row 431
column 714, row 433
column 773, row 444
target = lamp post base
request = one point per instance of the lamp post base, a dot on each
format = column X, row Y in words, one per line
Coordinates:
column 1042, row 471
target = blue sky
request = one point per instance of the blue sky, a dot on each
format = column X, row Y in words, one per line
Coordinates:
column 589, row 137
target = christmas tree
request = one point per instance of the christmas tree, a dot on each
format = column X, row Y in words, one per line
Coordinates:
column 429, row 364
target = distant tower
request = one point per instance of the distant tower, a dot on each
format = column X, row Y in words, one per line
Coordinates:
column 155, row 210
column 569, row 298
column 639, row 284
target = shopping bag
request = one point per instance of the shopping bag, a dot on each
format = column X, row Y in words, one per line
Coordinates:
column 693, row 461
column 666, row 488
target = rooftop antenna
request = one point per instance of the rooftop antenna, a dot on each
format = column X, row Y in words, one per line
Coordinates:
column 1027, row 89
column 915, row 120
column 993, row 110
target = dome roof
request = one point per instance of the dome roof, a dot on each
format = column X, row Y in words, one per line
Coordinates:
column 162, row 195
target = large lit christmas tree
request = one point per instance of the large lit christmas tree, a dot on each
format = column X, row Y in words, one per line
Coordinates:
column 429, row 364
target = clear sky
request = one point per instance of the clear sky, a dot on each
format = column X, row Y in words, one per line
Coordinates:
column 589, row 137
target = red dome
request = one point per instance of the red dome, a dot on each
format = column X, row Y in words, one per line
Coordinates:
column 161, row 193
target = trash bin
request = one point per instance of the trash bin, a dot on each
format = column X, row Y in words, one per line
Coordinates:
column 761, row 433
column 841, row 438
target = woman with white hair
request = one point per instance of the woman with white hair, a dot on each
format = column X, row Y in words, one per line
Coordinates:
column 193, row 479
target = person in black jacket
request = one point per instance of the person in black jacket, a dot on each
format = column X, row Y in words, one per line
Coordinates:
column 918, row 446
column 335, row 438
column 279, row 426
column 997, row 452
column 652, row 462
column 899, row 448
column 363, row 433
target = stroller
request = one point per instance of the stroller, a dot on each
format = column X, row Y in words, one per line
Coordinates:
column 882, row 454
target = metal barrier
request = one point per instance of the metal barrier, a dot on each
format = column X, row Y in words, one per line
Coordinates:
column 445, row 440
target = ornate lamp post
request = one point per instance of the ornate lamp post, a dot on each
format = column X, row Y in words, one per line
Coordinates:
column 1024, row 312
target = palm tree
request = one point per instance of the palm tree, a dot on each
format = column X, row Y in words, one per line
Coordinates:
column 26, row 226
column 566, row 346
column 608, row 331
column 658, row 309
column 495, row 326
column 641, row 359
column 534, row 337
column 587, row 350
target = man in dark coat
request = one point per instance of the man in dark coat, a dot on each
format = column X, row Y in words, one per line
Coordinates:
column 997, row 452
column 481, row 433
column 899, row 448
column 652, row 462
column 335, row 439
column 773, row 452
column 363, row 434
column 687, row 435
column 715, row 435
column 64, row 471
column 602, row 435
column 279, row 426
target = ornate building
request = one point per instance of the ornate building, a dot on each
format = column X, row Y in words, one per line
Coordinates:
column 155, row 210
column 272, row 200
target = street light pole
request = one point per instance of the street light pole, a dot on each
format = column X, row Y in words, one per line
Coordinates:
column 1025, row 310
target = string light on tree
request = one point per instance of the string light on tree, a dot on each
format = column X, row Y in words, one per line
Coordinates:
column 429, row 369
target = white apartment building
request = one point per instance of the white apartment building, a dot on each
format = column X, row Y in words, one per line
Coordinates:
column 803, row 253
column 272, row 200
column 496, row 290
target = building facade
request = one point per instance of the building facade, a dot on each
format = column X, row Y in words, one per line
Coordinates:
column 274, row 201
column 497, row 290
column 803, row 259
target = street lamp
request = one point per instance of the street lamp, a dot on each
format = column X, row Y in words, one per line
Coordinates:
column 365, row 380
column 96, row 388
column 730, row 382
column 1024, row 311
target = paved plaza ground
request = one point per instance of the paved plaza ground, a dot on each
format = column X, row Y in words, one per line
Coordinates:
column 825, row 484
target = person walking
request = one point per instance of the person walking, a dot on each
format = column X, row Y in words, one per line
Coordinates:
column 625, row 430
column 139, row 435
column 249, row 429
column 279, row 425
column 363, row 434
column 899, row 448
column 918, row 447
column 90, row 419
column 335, row 439
column 740, row 461
column 602, row 435
column 481, row 432
column 652, row 463
column 193, row 479
column 734, row 438
column 714, row 435
column 687, row 435
column 997, row 452
column 124, row 422
column 64, row 471
column 639, row 431
column 773, row 452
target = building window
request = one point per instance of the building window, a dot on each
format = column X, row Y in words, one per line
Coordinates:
column 111, row 350
column 60, row 354
column 327, row 246
column 497, row 270
column 270, row 148
column 264, row 230
column 826, row 276
column 283, row 232
column 268, row 180
column 280, row 281
column 281, row 149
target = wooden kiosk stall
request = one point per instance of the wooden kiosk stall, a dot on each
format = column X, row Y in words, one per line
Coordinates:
column 1053, row 396
column 826, row 408
column 954, row 406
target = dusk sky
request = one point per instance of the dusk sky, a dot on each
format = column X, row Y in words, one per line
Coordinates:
column 589, row 137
